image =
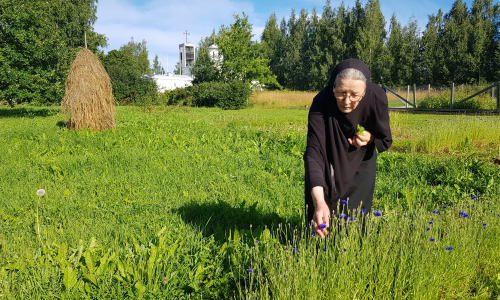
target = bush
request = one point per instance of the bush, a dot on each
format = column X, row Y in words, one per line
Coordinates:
column 179, row 96
column 232, row 95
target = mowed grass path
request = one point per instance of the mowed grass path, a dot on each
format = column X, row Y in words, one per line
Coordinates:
column 193, row 172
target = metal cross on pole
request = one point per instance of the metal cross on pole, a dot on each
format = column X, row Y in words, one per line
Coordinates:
column 186, row 33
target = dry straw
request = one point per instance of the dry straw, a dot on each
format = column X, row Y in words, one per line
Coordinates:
column 89, row 97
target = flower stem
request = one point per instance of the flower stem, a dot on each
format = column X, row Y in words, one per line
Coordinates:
column 37, row 222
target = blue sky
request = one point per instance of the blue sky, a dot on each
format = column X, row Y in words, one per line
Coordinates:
column 162, row 22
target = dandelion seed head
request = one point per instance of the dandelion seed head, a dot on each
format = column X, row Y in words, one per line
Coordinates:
column 40, row 192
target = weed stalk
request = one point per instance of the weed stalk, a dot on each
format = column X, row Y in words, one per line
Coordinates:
column 38, row 222
column 4, row 251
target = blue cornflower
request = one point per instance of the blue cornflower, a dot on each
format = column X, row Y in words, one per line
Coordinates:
column 363, row 210
column 406, row 216
column 499, row 215
column 249, row 270
column 278, row 263
column 414, row 214
column 377, row 214
column 351, row 219
column 468, row 206
column 373, row 226
column 479, row 196
column 485, row 227
column 465, row 215
column 342, row 215
column 431, row 222
column 473, row 197
column 444, row 206
column 484, row 224
column 313, row 233
column 322, row 226
column 343, row 201
column 432, row 240
column 324, row 249
column 294, row 249
column 427, row 229
column 345, row 249
column 436, row 211
column 461, row 213
column 449, row 248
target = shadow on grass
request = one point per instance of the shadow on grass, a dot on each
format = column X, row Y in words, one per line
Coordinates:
column 23, row 112
column 219, row 218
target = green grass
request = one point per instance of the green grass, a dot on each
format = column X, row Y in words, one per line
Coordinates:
column 162, row 194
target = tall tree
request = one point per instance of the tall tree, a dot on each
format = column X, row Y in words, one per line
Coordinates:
column 38, row 43
column 370, row 42
column 394, row 46
column 157, row 68
column 241, row 56
column 126, row 68
column 272, row 46
column 433, row 67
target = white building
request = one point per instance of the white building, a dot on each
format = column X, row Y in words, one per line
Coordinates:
column 170, row 81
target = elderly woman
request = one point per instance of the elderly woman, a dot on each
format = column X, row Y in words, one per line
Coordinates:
column 340, row 162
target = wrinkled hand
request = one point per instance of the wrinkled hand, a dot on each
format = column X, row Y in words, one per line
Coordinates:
column 360, row 140
column 321, row 213
column 321, row 216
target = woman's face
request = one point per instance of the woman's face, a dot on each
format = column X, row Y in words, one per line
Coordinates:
column 348, row 93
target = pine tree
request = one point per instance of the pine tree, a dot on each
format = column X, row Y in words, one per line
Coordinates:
column 370, row 42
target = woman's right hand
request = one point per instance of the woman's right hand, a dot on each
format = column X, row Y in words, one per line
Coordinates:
column 321, row 213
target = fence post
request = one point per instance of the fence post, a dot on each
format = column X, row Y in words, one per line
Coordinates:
column 498, row 96
column 452, row 92
column 428, row 90
column 414, row 95
column 407, row 96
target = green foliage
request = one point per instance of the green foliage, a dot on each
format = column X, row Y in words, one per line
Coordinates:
column 232, row 95
column 38, row 43
column 126, row 68
column 241, row 60
column 205, row 70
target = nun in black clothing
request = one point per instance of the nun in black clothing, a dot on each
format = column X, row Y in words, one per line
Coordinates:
column 340, row 163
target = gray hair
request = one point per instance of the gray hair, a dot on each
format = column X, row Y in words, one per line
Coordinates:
column 351, row 73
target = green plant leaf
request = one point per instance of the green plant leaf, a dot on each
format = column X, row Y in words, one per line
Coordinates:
column 69, row 278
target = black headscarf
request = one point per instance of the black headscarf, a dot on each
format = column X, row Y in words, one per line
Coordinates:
column 329, row 129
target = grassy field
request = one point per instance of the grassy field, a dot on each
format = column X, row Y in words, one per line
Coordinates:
column 180, row 203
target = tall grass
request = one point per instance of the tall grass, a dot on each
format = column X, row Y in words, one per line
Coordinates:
column 414, row 254
column 279, row 99
column 455, row 133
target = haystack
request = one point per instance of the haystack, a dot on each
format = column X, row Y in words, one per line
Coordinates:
column 89, row 97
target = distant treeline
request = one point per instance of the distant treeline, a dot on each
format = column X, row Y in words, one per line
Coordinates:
column 460, row 46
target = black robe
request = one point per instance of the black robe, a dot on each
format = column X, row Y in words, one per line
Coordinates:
column 329, row 129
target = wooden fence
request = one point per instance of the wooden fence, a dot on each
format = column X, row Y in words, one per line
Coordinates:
column 412, row 103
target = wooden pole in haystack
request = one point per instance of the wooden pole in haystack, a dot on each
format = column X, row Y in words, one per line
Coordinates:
column 89, row 96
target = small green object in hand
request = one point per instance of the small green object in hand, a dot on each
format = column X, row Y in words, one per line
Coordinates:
column 360, row 129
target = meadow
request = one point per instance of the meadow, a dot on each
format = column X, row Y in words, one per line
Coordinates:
column 182, row 202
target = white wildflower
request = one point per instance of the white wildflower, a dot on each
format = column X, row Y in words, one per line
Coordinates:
column 40, row 192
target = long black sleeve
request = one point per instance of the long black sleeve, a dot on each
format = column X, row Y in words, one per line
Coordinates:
column 316, row 175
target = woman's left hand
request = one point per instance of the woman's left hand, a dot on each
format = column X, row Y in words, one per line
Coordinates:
column 360, row 140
